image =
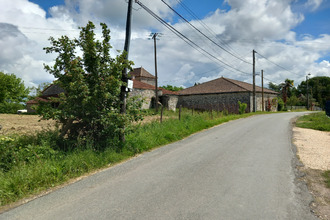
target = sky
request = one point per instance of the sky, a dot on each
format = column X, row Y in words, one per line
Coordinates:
column 291, row 37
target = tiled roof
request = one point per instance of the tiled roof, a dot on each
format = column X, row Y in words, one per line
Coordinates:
column 222, row 85
column 141, row 85
column 37, row 100
column 52, row 90
column 141, row 72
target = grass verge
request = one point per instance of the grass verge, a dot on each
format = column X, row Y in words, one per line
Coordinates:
column 317, row 121
column 32, row 164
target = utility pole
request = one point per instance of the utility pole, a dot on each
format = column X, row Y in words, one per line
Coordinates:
column 124, row 77
column 254, row 81
column 154, row 37
column 262, row 90
column 307, row 96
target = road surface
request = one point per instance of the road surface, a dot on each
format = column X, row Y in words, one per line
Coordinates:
column 244, row 169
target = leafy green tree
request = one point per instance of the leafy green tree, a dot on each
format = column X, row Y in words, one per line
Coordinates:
column 12, row 93
column 172, row 88
column 89, row 110
column 286, row 89
column 318, row 88
column 274, row 87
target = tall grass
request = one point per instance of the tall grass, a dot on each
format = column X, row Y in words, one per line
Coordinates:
column 317, row 121
column 31, row 164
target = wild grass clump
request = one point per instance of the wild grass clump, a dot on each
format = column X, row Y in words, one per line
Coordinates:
column 317, row 121
column 326, row 176
column 30, row 164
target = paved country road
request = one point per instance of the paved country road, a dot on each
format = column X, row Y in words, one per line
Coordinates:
column 244, row 169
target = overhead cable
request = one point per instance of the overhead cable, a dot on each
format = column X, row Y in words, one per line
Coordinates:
column 276, row 64
column 186, row 39
column 199, row 31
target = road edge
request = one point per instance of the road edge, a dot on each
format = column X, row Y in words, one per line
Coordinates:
column 303, row 194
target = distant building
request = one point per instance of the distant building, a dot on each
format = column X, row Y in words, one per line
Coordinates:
column 223, row 94
column 142, row 75
column 143, row 86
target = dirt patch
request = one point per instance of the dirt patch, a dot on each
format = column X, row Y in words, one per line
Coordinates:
column 313, row 150
column 30, row 124
column 23, row 124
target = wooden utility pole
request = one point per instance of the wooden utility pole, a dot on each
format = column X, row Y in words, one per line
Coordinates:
column 154, row 37
column 307, row 93
column 254, row 81
column 124, row 77
column 262, row 90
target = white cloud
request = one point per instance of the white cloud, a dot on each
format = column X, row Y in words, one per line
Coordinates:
column 263, row 25
column 313, row 4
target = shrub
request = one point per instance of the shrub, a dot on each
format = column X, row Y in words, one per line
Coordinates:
column 89, row 109
column 280, row 104
column 242, row 107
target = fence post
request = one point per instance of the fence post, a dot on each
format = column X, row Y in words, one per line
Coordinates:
column 180, row 112
column 161, row 114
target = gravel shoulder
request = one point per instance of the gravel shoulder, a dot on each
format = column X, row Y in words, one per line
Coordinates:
column 313, row 150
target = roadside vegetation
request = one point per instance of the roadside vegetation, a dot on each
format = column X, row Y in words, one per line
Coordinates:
column 317, row 121
column 30, row 164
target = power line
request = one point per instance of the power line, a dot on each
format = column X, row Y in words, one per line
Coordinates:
column 276, row 64
column 199, row 31
column 203, row 24
column 186, row 39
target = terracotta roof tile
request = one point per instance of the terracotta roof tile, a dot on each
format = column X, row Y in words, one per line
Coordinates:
column 141, row 85
column 141, row 72
column 222, row 85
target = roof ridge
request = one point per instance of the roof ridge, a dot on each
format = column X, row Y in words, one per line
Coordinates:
column 230, row 80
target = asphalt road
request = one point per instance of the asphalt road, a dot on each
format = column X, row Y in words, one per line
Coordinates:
column 244, row 169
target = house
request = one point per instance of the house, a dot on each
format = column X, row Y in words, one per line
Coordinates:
column 168, row 99
column 223, row 94
column 143, row 87
column 142, row 75
column 51, row 91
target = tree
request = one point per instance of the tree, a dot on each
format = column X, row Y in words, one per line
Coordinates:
column 89, row 110
column 274, row 87
column 12, row 93
column 172, row 88
column 318, row 88
column 286, row 89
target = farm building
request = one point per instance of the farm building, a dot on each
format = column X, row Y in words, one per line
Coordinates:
column 168, row 99
column 51, row 91
column 143, row 87
column 223, row 94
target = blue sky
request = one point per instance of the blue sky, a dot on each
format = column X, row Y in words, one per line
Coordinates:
column 293, row 34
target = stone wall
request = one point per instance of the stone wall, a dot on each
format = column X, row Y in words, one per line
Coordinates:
column 169, row 101
column 148, row 97
column 267, row 98
column 218, row 102
column 144, row 94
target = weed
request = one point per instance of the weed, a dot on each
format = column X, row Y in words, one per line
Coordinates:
column 326, row 176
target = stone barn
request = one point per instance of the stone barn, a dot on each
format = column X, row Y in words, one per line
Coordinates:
column 168, row 99
column 223, row 94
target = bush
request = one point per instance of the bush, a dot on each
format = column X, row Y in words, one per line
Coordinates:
column 10, row 108
column 280, row 104
column 89, row 110
column 242, row 107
